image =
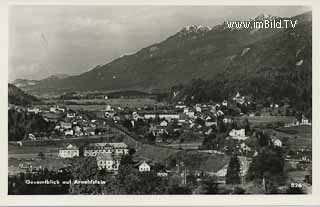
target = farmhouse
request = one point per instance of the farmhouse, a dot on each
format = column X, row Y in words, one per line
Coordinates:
column 277, row 142
column 69, row 151
column 164, row 123
column 108, row 161
column 144, row 167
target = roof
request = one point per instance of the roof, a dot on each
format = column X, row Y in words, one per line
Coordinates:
column 107, row 156
column 106, row 145
column 118, row 145
column 104, row 156
column 69, row 147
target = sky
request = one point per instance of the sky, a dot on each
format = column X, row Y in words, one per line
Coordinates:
column 48, row 40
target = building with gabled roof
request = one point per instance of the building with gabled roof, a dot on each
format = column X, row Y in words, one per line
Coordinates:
column 108, row 161
column 69, row 151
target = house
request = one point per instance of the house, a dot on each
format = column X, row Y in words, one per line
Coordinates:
column 164, row 123
column 239, row 99
column 68, row 132
column 219, row 113
column 135, row 116
column 34, row 110
column 277, row 142
column 304, row 121
column 56, row 109
column 69, row 151
column 89, row 131
column 71, row 115
column 190, row 114
column 244, row 147
column 109, row 114
column 198, row 109
column 108, row 161
column 227, row 120
column 117, row 148
column 210, row 123
column 65, row 125
column 180, row 106
column 225, row 103
column 31, row 137
column 157, row 130
column 144, row 167
column 169, row 116
column 149, row 116
column 162, row 174
column 238, row 134
column 108, row 108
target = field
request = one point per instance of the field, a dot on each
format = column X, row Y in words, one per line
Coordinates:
column 194, row 145
column 259, row 120
column 299, row 136
column 99, row 104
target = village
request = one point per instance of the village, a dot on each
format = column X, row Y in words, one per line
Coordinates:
column 211, row 129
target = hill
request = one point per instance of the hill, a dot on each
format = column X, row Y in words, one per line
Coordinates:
column 18, row 97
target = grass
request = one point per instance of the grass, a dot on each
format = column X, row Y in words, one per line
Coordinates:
column 50, row 163
column 155, row 153
column 259, row 120
column 299, row 136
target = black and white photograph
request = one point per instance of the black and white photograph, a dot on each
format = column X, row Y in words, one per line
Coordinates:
column 159, row 99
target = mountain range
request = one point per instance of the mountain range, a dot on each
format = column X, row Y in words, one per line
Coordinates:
column 262, row 62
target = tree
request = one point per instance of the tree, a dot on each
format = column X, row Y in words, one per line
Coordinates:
column 233, row 171
column 85, row 168
column 268, row 164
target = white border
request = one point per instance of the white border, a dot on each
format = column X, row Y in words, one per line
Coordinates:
column 133, row 200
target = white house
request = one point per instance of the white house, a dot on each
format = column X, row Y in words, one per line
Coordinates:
column 34, row 110
column 71, row 115
column 225, row 103
column 69, row 151
column 108, row 162
column 198, row 108
column 144, row 167
column 305, row 121
column 238, row 134
column 277, row 142
column 68, row 132
column 169, row 116
column 244, row 147
column 220, row 113
column 227, row 120
column 31, row 137
column 210, row 123
column 164, row 123
column 190, row 114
